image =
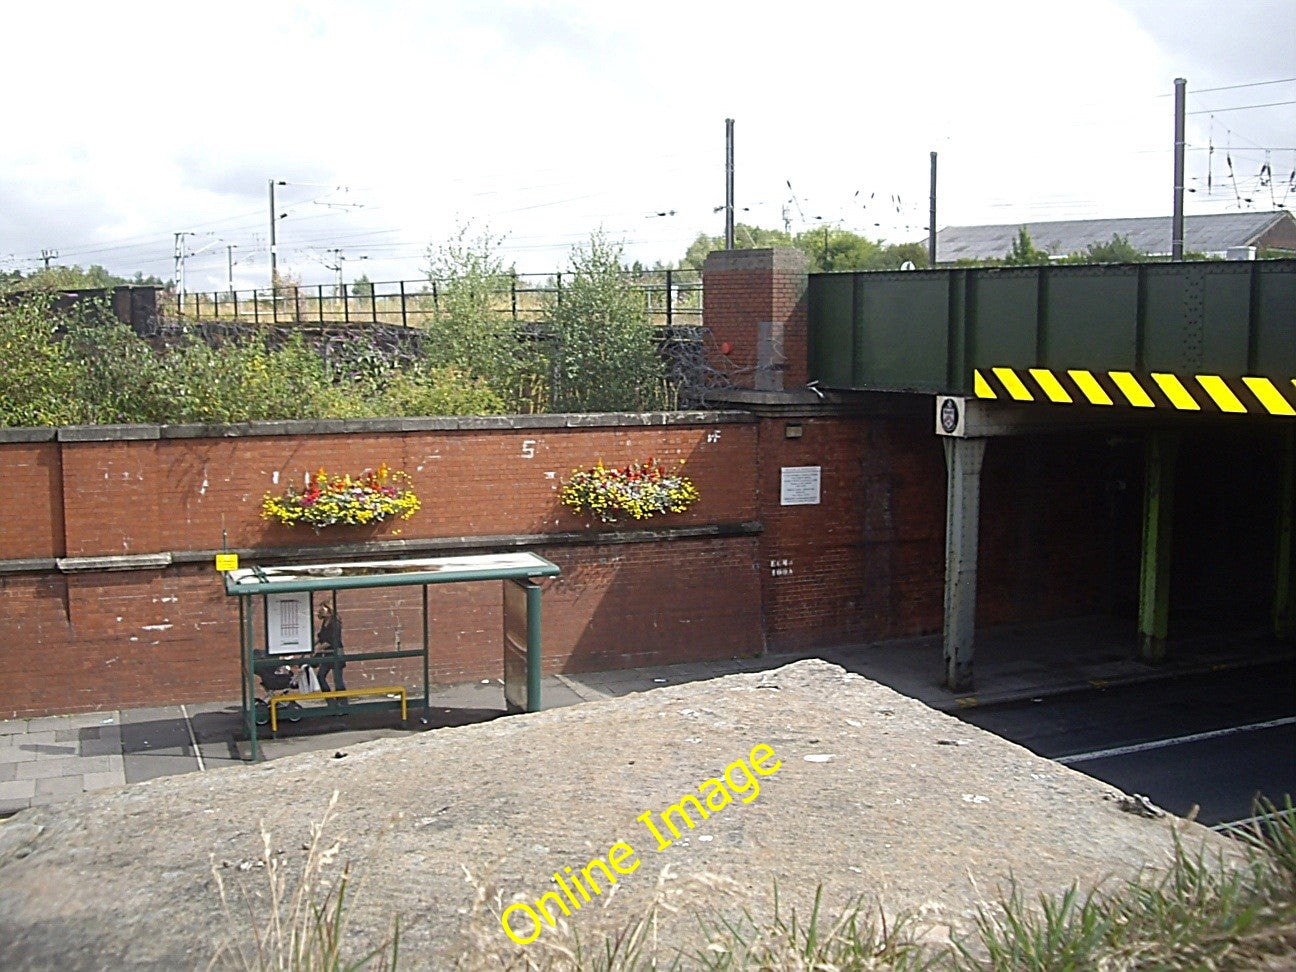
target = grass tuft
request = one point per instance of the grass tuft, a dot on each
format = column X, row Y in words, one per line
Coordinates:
column 302, row 929
column 1221, row 912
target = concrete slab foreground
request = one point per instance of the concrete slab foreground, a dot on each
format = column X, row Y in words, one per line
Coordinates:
column 695, row 797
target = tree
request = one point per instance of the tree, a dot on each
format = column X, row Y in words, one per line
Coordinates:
column 1024, row 252
column 466, row 333
column 826, row 248
column 1117, row 250
column 73, row 278
column 604, row 353
column 829, row 248
column 42, row 382
column 362, row 287
column 745, row 238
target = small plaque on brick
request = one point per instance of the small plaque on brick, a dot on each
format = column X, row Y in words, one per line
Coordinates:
column 800, row 486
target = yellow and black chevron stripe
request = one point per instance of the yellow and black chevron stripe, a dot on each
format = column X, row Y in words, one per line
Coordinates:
column 1196, row 393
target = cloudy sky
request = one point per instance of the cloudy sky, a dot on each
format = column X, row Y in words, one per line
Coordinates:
column 392, row 123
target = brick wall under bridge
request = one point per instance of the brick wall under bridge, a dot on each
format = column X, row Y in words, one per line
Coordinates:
column 739, row 574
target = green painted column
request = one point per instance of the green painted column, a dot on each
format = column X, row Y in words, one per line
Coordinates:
column 1160, row 453
column 1284, row 609
column 963, row 459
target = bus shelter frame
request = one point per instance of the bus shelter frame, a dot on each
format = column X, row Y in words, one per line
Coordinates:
column 518, row 572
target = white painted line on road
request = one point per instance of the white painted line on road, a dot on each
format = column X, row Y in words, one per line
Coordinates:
column 193, row 740
column 1176, row 741
column 1246, row 826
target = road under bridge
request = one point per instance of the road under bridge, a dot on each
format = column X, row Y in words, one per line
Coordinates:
column 1179, row 379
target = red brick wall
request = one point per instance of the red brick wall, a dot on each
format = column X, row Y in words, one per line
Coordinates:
column 867, row 563
column 744, row 288
column 106, row 639
column 31, row 517
column 864, row 564
column 181, row 493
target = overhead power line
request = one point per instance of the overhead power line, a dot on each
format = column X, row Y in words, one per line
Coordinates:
column 1220, row 111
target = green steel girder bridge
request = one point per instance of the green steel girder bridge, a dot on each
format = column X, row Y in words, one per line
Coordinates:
column 1155, row 348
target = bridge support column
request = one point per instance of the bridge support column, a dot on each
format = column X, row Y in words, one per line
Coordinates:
column 963, row 458
column 1284, row 610
column 1158, row 515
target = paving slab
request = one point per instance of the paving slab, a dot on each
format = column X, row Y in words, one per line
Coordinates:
column 64, row 786
column 814, row 777
column 98, row 781
column 17, row 754
column 44, row 768
column 17, row 790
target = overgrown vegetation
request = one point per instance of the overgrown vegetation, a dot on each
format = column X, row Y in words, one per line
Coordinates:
column 72, row 278
column 828, row 248
column 85, row 367
column 602, row 349
column 593, row 350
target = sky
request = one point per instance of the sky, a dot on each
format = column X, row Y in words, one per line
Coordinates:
column 394, row 125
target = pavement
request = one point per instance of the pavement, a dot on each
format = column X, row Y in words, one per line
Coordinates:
column 53, row 758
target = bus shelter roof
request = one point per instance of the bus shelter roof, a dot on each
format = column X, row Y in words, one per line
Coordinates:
column 249, row 581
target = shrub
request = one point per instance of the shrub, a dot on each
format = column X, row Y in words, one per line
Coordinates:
column 42, row 382
column 439, row 391
column 604, row 356
column 466, row 333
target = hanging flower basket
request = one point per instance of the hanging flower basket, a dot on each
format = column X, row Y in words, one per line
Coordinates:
column 344, row 500
column 638, row 491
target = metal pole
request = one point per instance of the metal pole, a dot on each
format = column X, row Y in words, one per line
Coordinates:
column 533, row 591
column 404, row 320
column 670, row 294
column 1177, row 229
column 178, row 276
column 274, row 248
column 729, row 183
column 426, row 633
column 931, row 223
column 1160, row 453
column 229, row 250
column 963, row 461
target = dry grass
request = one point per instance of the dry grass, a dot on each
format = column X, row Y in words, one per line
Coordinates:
column 299, row 919
column 1202, row 913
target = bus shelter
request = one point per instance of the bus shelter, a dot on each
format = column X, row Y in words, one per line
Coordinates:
column 277, row 605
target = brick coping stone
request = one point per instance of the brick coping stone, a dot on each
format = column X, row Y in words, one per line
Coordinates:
column 875, row 794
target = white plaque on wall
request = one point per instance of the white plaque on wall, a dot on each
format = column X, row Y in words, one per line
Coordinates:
column 800, row 486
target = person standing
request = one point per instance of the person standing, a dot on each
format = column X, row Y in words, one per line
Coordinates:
column 328, row 642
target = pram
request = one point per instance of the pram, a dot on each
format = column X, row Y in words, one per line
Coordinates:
column 276, row 681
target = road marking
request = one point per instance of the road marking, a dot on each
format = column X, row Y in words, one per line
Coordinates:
column 1176, row 741
column 193, row 740
column 1247, row 824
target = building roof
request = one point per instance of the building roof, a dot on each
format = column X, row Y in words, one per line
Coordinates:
column 1209, row 234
